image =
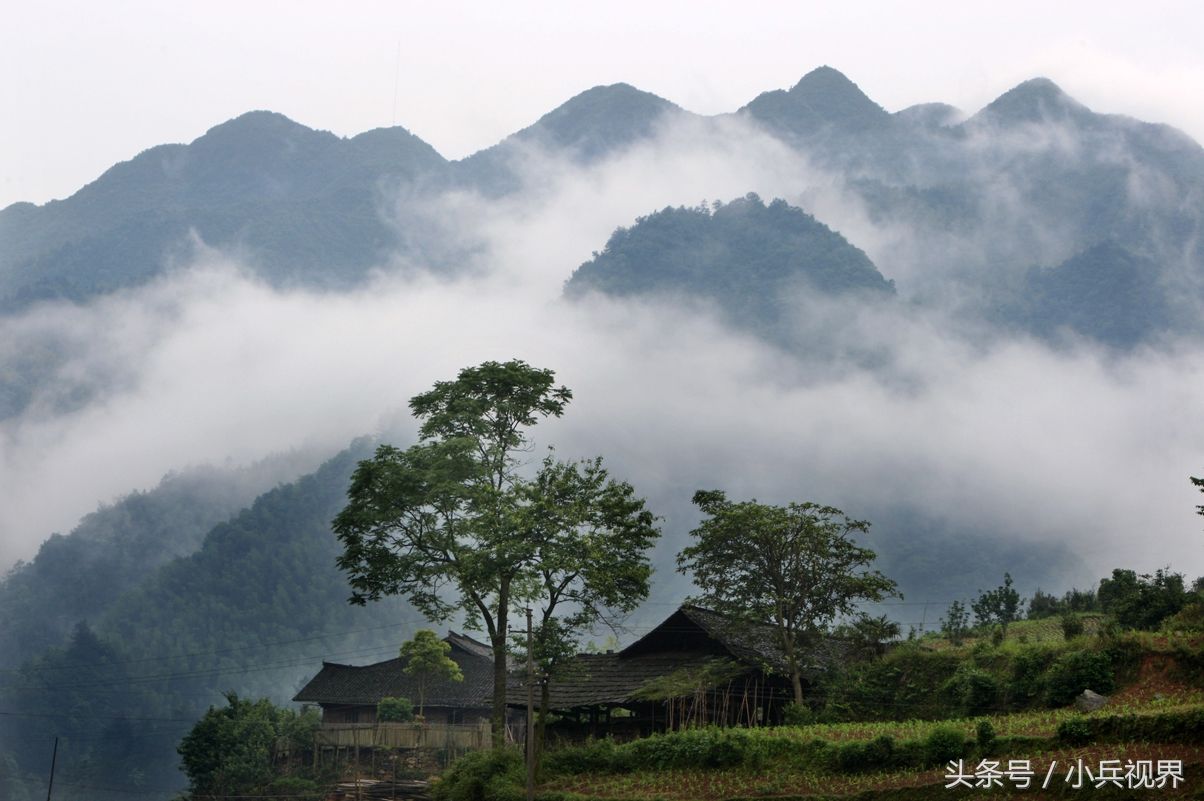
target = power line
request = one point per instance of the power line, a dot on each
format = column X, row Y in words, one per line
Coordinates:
column 206, row 672
column 219, row 651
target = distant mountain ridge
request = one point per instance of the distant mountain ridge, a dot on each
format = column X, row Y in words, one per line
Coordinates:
column 305, row 207
column 303, row 201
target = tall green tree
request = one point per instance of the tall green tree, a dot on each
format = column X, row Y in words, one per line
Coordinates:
column 1142, row 601
column 1000, row 606
column 453, row 524
column 591, row 535
column 795, row 567
column 427, row 660
column 230, row 751
column 956, row 623
column 1199, row 483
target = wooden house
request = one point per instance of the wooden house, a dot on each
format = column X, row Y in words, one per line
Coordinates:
column 696, row 667
column 348, row 694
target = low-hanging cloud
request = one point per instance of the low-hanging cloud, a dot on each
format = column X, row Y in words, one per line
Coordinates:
column 1075, row 446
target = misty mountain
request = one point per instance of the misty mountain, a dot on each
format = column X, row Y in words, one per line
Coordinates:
column 754, row 261
column 80, row 575
column 1039, row 101
column 300, row 204
column 824, row 101
column 596, row 123
column 254, row 609
column 1030, row 180
column 1105, row 293
column 930, row 116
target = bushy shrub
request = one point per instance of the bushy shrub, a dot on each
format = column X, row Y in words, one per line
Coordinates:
column 497, row 775
column 1075, row 731
column 395, row 710
column 797, row 715
column 709, row 747
column 972, row 690
column 864, row 757
column 905, row 683
column 1077, row 671
column 1189, row 618
column 984, row 733
column 943, row 744
column 1027, row 682
column 230, row 750
column 595, row 756
column 1072, row 625
column 1019, row 744
column 1165, row 727
column 295, row 788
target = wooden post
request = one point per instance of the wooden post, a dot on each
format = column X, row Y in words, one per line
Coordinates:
column 54, row 757
column 530, row 711
column 355, row 738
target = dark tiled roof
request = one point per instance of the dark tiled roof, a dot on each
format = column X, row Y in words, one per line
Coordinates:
column 691, row 639
column 469, row 645
column 367, row 684
column 593, row 679
column 750, row 643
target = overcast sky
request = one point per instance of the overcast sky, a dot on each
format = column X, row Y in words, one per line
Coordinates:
column 85, row 85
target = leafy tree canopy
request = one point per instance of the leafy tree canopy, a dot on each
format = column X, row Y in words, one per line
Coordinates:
column 230, row 750
column 454, row 525
column 1142, row 601
column 999, row 606
column 427, row 660
column 796, row 567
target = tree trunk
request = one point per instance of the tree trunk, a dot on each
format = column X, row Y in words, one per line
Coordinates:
column 497, row 718
column 790, row 646
column 545, row 698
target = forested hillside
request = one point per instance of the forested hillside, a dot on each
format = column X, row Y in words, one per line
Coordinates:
column 254, row 610
column 79, row 576
column 758, row 263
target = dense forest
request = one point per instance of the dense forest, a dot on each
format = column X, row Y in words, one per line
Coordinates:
column 757, row 262
column 254, row 610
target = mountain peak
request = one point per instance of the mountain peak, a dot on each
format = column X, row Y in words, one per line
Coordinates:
column 930, row 115
column 257, row 122
column 824, row 98
column 825, row 78
column 1035, row 100
column 598, row 120
column 600, row 104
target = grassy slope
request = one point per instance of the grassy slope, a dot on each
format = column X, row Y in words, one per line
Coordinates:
column 1158, row 687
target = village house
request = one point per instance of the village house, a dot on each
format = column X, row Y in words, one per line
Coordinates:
column 348, row 694
column 696, row 667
